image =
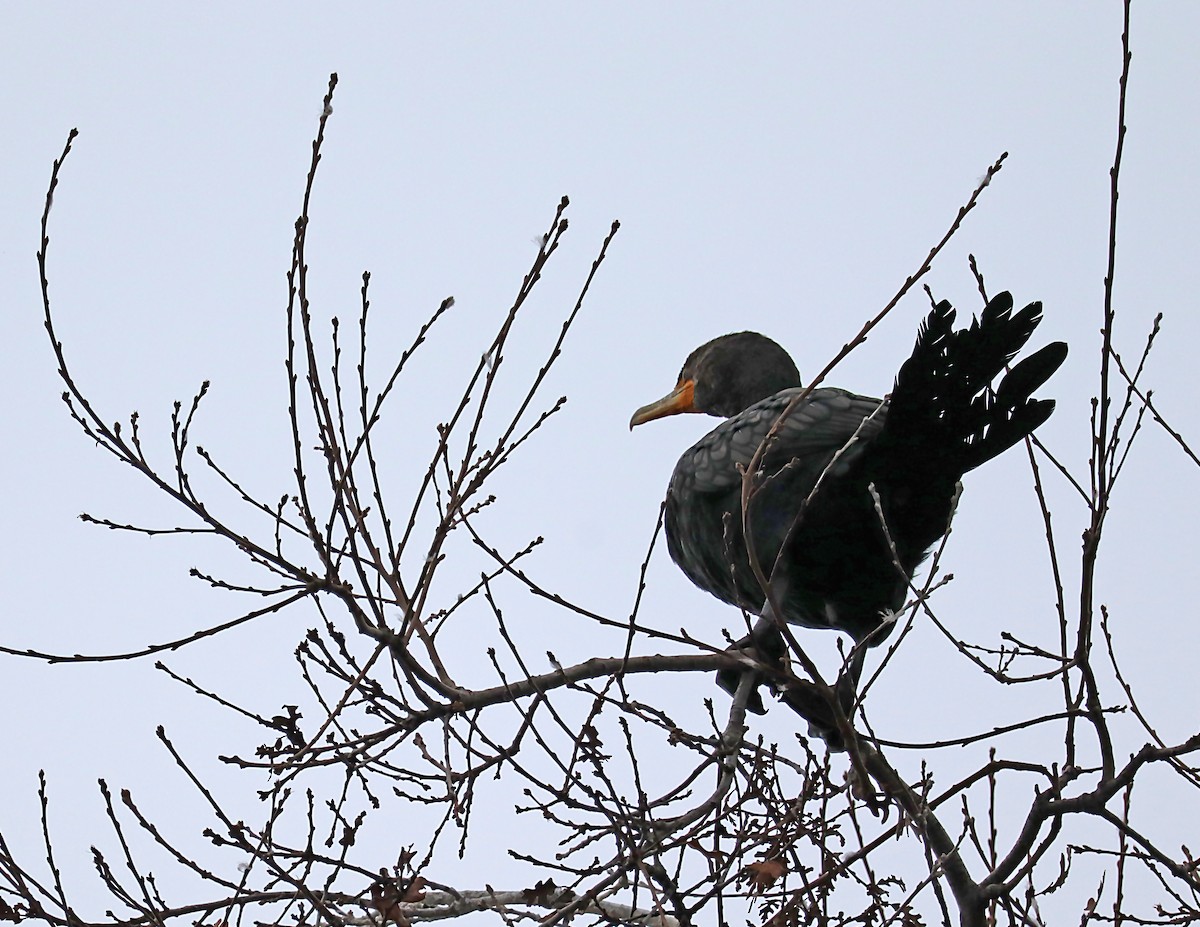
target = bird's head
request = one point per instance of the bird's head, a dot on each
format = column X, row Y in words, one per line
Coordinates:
column 725, row 376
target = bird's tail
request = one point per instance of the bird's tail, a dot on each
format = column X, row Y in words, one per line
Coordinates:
column 944, row 417
column 944, row 390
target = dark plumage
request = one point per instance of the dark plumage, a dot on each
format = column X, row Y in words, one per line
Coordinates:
column 813, row 521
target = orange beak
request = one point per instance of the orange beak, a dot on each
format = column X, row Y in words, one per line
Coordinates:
column 678, row 400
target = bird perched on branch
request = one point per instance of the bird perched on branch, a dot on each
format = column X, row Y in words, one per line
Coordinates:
column 845, row 494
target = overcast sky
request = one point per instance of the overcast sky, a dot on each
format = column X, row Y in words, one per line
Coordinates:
column 780, row 167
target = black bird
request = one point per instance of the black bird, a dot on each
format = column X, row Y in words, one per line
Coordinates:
column 813, row 519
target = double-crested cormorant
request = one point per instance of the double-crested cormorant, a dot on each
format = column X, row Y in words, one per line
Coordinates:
column 837, row 469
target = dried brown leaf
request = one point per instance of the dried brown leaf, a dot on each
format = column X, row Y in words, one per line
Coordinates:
column 763, row 874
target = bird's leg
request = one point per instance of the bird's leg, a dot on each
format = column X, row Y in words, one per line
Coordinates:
column 765, row 638
column 847, row 684
column 817, row 706
column 764, row 642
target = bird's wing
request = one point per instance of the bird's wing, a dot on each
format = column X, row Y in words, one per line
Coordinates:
column 830, row 427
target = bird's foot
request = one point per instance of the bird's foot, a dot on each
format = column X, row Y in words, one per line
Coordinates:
column 763, row 645
column 806, row 700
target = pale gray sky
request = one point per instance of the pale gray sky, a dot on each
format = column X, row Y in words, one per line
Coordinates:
column 781, row 167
